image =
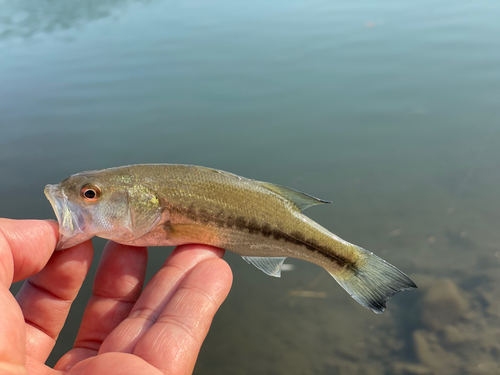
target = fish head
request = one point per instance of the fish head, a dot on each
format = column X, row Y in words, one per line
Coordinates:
column 100, row 203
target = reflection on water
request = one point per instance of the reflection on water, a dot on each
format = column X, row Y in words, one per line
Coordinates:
column 26, row 18
column 389, row 110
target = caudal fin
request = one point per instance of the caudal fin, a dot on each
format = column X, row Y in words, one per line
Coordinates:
column 373, row 282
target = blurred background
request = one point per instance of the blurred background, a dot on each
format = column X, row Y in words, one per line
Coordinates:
column 389, row 109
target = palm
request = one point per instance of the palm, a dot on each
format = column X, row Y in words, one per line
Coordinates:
column 125, row 330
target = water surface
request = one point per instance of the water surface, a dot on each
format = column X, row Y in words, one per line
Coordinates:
column 389, row 109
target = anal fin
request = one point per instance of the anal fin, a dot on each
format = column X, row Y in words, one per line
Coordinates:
column 269, row 265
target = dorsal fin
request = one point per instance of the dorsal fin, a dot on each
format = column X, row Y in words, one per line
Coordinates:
column 221, row 172
column 302, row 200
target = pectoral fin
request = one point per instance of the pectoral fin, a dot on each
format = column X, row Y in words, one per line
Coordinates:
column 145, row 211
column 270, row 266
column 301, row 200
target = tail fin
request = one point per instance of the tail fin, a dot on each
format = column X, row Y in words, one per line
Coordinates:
column 374, row 282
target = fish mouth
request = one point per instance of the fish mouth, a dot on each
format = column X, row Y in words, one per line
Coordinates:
column 71, row 220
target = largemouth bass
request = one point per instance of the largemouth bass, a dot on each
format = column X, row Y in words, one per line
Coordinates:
column 169, row 205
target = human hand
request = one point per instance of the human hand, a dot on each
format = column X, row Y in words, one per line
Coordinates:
column 123, row 331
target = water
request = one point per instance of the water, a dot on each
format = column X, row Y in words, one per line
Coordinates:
column 389, row 109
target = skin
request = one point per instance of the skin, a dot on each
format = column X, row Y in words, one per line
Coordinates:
column 123, row 331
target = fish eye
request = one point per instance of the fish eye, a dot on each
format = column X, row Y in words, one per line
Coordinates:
column 90, row 192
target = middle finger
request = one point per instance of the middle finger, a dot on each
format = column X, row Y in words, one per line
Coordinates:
column 117, row 285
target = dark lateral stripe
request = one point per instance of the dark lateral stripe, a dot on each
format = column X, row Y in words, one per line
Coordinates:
column 253, row 227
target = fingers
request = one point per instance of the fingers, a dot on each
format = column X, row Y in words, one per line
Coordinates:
column 172, row 344
column 117, row 285
column 156, row 296
column 46, row 297
column 114, row 364
column 25, row 247
column 12, row 333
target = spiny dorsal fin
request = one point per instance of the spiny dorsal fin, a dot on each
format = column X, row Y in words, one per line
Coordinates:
column 221, row 172
column 302, row 200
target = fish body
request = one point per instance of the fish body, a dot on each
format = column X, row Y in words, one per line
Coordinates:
column 168, row 204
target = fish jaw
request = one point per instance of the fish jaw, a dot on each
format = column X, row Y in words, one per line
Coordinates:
column 72, row 228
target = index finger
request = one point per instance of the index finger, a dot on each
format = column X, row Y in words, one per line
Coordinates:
column 25, row 247
column 174, row 340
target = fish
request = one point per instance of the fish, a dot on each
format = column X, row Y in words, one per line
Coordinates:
column 175, row 204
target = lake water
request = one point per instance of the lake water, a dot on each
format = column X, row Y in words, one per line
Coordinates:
column 389, row 109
